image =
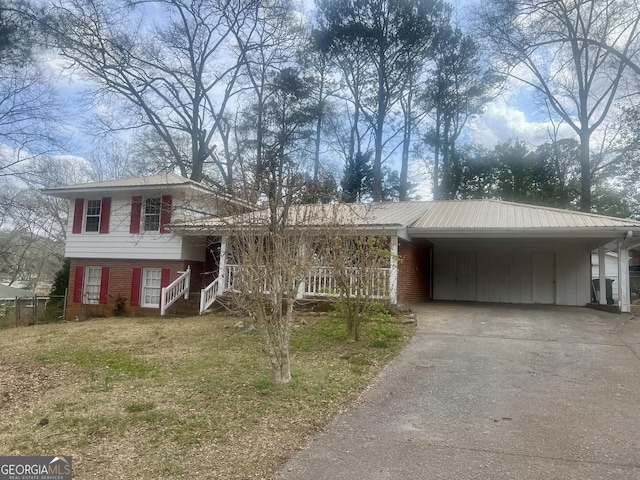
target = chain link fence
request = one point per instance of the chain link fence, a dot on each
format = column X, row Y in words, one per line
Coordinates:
column 22, row 311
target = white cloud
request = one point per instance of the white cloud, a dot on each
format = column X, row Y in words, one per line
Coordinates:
column 502, row 121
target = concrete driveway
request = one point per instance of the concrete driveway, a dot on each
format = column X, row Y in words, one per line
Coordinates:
column 494, row 392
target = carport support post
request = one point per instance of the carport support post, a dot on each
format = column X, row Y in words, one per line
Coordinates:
column 623, row 277
column 393, row 270
column 602, row 294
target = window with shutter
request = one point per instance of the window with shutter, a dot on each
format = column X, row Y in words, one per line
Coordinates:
column 151, row 287
column 92, row 216
column 92, row 285
column 152, row 208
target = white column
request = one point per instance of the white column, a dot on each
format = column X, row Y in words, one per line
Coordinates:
column 302, row 251
column 222, row 266
column 624, row 295
column 393, row 271
column 602, row 275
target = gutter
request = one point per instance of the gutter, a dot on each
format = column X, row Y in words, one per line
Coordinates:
column 525, row 233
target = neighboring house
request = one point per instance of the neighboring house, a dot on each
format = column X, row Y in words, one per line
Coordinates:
column 19, row 305
column 476, row 250
column 7, row 292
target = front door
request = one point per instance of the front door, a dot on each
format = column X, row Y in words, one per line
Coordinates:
column 543, row 278
column 466, row 277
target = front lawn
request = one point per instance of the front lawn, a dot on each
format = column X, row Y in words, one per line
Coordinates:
column 177, row 398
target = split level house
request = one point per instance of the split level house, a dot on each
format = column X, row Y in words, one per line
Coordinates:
column 148, row 245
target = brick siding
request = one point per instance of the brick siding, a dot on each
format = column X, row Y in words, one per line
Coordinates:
column 414, row 271
column 120, row 278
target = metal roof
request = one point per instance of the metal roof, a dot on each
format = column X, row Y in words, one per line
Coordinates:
column 150, row 183
column 437, row 218
column 499, row 215
column 358, row 215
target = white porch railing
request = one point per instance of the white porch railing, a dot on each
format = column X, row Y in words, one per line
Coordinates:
column 208, row 295
column 320, row 282
column 176, row 289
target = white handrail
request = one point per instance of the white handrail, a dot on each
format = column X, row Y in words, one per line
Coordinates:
column 172, row 292
column 208, row 295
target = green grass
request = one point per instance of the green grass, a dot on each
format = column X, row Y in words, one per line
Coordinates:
column 170, row 398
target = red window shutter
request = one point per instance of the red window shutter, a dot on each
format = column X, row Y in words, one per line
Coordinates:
column 105, row 214
column 166, row 277
column 165, row 213
column 104, row 283
column 77, row 288
column 136, row 282
column 136, row 210
column 78, row 214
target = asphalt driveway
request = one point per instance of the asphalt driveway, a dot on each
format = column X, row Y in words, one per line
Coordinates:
column 494, row 392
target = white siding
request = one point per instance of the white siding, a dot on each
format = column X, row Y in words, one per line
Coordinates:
column 504, row 272
column 119, row 243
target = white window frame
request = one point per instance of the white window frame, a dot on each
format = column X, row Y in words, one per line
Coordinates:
column 155, row 216
column 151, row 284
column 92, row 282
column 87, row 216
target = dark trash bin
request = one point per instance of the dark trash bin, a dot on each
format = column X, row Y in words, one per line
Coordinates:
column 608, row 289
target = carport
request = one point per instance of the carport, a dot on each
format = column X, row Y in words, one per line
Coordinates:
column 493, row 251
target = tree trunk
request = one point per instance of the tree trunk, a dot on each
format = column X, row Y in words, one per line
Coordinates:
column 445, row 187
column 437, row 195
column 278, row 353
column 277, row 336
column 281, row 370
column 316, row 153
column 585, row 172
column 379, row 128
column 403, row 192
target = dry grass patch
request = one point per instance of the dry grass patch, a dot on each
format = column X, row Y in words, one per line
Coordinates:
column 177, row 398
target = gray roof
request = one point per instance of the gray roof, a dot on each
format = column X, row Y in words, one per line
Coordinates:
column 126, row 183
column 438, row 218
column 153, row 183
column 358, row 215
column 12, row 292
column 494, row 214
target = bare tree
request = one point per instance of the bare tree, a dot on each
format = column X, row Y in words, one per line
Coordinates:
column 267, row 43
column 270, row 245
column 29, row 109
column 272, row 258
column 575, row 54
column 33, row 225
column 176, row 73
